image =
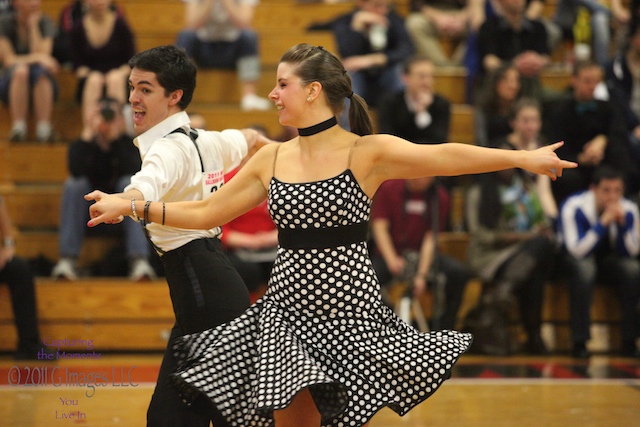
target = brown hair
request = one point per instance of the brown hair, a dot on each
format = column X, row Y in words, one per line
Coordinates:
column 315, row 64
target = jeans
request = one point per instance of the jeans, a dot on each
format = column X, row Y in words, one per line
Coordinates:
column 566, row 12
column 241, row 54
column 74, row 214
column 612, row 270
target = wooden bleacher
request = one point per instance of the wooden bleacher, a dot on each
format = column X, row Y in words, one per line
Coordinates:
column 116, row 313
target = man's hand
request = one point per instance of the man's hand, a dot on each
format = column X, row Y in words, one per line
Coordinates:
column 363, row 19
column 396, row 265
column 419, row 285
column 613, row 212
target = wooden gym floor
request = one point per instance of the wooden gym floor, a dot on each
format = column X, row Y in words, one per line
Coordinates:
column 513, row 391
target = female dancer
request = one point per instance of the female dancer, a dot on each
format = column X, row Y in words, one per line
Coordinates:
column 320, row 348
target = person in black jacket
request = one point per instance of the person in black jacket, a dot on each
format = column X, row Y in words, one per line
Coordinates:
column 16, row 274
column 106, row 161
column 372, row 41
column 593, row 130
column 416, row 113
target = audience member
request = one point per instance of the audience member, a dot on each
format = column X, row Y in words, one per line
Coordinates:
column 251, row 242
column 27, row 79
column 69, row 16
column 101, row 43
column 218, row 34
column 623, row 81
column 105, row 161
column 494, row 105
column 526, row 122
column 15, row 272
column 431, row 21
column 511, row 250
column 511, row 37
column 372, row 41
column 416, row 113
column 593, row 131
column 406, row 217
column 567, row 12
column 599, row 232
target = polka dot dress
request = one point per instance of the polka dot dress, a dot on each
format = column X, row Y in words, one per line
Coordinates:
column 321, row 325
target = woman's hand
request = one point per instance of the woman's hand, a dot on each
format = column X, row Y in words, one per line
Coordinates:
column 545, row 161
column 108, row 209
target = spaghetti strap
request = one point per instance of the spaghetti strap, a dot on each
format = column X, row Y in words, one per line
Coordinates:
column 351, row 152
column 273, row 171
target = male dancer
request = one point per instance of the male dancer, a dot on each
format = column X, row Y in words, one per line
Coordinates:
column 179, row 163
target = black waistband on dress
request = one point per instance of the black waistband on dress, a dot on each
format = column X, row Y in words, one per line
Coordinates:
column 323, row 237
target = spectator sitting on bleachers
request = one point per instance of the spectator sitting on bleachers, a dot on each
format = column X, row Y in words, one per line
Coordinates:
column 416, row 113
column 27, row 78
column 105, row 161
column 15, row 272
column 526, row 122
column 405, row 244
column 511, row 37
column 512, row 251
column 432, row 20
column 372, row 42
column 621, row 75
column 494, row 104
column 593, row 131
column 598, row 28
column 599, row 230
column 68, row 18
column 101, row 44
column 218, row 34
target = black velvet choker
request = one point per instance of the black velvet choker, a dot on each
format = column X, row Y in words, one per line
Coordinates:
column 312, row 130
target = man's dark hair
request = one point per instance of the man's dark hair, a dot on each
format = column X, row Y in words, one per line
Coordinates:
column 173, row 69
column 606, row 172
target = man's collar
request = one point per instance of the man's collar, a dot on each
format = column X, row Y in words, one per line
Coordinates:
column 162, row 129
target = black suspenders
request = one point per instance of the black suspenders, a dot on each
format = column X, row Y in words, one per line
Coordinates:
column 193, row 135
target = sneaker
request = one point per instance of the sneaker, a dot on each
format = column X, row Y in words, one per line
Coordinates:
column 50, row 137
column 254, row 102
column 141, row 270
column 17, row 135
column 65, row 269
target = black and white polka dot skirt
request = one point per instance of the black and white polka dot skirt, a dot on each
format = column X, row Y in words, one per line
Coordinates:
column 314, row 329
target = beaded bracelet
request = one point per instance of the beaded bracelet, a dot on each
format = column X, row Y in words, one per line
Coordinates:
column 134, row 214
